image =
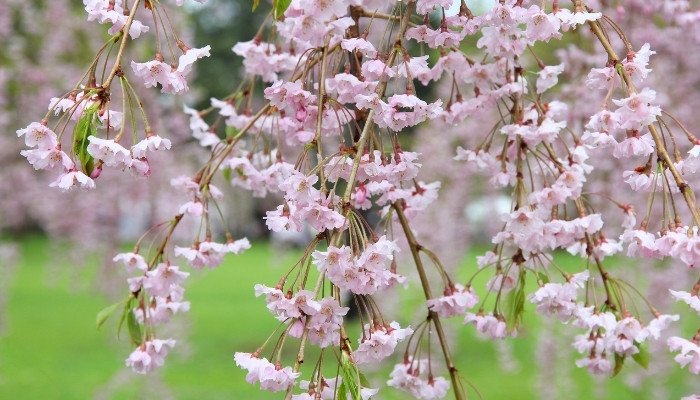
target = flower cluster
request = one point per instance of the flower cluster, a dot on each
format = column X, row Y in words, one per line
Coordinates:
column 337, row 99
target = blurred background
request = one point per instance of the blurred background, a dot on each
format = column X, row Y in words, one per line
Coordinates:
column 55, row 248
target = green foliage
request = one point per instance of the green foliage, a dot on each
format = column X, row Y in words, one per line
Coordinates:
column 280, row 6
column 351, row 378
column 516, row 304
column 106, row 312
column 86, row 127
column 642, row 358
column 619, row 363
column 134, row 328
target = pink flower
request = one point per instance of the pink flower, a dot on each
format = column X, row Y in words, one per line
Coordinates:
column 602, row 78
column 596, row 364
column 271, row 377
column 285, row 306
column 404, row 110
column 204, row 254
column 636, row 63
column 359, row 45
column 164, row 279
column 375, row 70
column 692, row 300
column 150, row 355
column 322, row 218
column 237, row 246
column 150, row 143
column 111, row 153
column 156, row 72
column 456, row 301
column 263, row 59
column 655, row 326
column 541, row 26
column 184, row 65
column 45, row 159
column 300, row 188
column 637, row 110
column 69, row 179
column 572, row 20
column 284, row 218
column 346, row 87
column 426, row 6
column 106, row 11
column 547, row 78
column 488, row 324
column 689, row 353
column 289, row 95
column 132, row 261
column 194, row 208
column 635, row 146
column 379, row 342
column 559, row 299
column 38, row 135
column 406, row 376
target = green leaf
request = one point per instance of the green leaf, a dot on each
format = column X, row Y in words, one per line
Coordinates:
column 363, row 380
column 642, row 358
column 543, row 277
column 231, row 132
column 516, row 304
column 84, row 128
column 256, row 3
column 342, row 392
column 351, row 377
column 107, row 312
column 227, row 174
column 134, row 328
column 127, row 309
column 280, row 7
column 619, row 363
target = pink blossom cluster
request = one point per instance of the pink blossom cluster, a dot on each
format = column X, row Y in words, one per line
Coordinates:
column 407, row 376
column 338, row 91
column 372, row 271
column 271, row 377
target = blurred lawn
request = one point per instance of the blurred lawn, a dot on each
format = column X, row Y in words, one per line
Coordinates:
column 51, row 349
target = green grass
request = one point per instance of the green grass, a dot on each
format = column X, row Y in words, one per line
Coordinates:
column 51, row 349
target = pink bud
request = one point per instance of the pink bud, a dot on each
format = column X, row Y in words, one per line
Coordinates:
column 96, row 173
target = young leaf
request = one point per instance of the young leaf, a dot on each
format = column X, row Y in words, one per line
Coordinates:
column 227, row 173
column 619, row 363
column 84, row 128
column 280, row 7
column 642, row 358
column 231, row 132
column 516, row 304
column 107, row 312
column 134, row 328
column 127, row 310
column 351, row 377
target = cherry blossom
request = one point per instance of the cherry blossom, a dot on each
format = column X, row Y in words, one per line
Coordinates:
column 692, row 300
column 379, row 342
column 150, row 355
column 407, row 377
column 689, row 353
column 131, row 261
column 272, row 377
column 71, row 178
column 112, row 154
column 456, row 300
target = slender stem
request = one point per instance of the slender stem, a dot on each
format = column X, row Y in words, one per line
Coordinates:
column 122, row 46
column 432, row 315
